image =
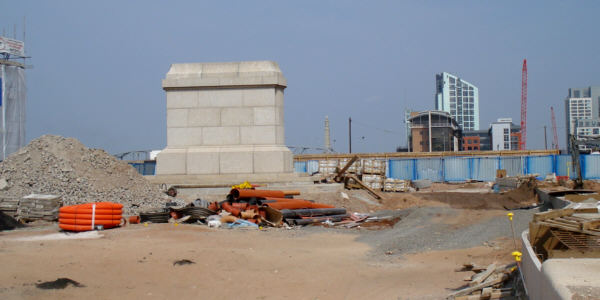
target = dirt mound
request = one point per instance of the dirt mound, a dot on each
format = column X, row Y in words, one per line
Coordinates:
column 64, row 166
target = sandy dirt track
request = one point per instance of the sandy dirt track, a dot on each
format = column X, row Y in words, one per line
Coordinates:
column 137, row 262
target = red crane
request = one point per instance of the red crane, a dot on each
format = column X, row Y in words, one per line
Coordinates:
column 523, row 141
column 555, row 140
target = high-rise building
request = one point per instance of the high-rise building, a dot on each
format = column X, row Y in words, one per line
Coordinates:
column 582, row 109
column 459, row 98
column 505, row 135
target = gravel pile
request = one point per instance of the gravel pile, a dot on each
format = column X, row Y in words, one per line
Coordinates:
column 64, row 166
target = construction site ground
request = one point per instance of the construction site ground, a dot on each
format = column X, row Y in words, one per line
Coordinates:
column 413, row 254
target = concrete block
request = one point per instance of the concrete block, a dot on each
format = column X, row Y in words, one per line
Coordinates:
column 288, row 161
column 219, row 70
column 182, row 99
column 205, row 96
column 204, row 117
column 203, row 161
column 226, row 98
column 229, row 119
column 221, row 136
column 258, row 135
column 265, row 115
column 184, row 136
column 279, row 97
column 177, row 117
column 279, row 135
column 236, row 161
column 237, row 116
column 224, row 74
column 279, row 115
column 272, row 159
column 171, row 162
column 259, row 97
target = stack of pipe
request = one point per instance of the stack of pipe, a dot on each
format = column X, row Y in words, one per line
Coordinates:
column 90, row 216
column 273, row 206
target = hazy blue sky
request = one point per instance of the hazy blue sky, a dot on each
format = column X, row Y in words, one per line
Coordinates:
column 98, row 65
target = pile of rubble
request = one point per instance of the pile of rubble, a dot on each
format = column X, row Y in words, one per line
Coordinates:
column 66, row 168
column 246, row 206
column 486, row 282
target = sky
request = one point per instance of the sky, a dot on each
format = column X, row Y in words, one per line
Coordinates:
column 98, row 65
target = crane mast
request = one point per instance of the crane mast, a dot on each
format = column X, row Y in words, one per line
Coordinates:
column 523, row 141
column 555, row 137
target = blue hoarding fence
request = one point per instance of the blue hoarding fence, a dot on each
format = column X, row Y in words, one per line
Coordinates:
column 462, row 168
column 147, row 167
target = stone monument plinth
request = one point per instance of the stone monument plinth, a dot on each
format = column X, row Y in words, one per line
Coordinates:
column 225, row 119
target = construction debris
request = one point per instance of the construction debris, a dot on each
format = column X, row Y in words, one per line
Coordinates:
column 566, row 233
column 486, row 282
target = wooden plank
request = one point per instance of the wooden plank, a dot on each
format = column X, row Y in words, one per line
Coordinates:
column 366, row 187
column 500, row 294
column 340, row 173
column 587, row 210
column 481, row 277
column 593, row 224
column 492, row 280
column 592, row 253
column 553, row 214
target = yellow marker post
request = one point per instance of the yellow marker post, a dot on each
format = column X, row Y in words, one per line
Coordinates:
column 512, row 228
column 517, row 255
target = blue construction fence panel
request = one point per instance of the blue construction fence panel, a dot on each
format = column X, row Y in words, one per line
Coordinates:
column 542, row 165
column 300, row 167
column 145, row 168
column 402, row 169
column 512, row 164
column 458, row 169
column 484, row 168
column 590, row 166
column 564, row 166
column 309, row 166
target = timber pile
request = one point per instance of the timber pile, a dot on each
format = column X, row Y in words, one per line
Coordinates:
column 486, row 282
column 566, row 233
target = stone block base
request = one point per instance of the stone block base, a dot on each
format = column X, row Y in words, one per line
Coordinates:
column 225, row 160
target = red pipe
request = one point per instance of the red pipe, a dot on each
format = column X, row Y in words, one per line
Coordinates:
column 247, row 193
column 233, row 210
column 283, row 203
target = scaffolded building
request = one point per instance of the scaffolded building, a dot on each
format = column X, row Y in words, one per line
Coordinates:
column 12, row 96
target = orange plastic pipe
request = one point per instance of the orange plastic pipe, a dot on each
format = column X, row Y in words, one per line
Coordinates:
column 71, row 227
column 247, row 193
column 88, row 216
column 233, row 210
column 99, row 205
column 306, row 203
column 88, row 211
column 89, row 222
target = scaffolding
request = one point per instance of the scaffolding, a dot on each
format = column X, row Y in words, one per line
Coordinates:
column 12, row 96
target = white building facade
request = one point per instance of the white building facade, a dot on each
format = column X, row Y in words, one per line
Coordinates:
column 459, row 98
column 582, row 107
